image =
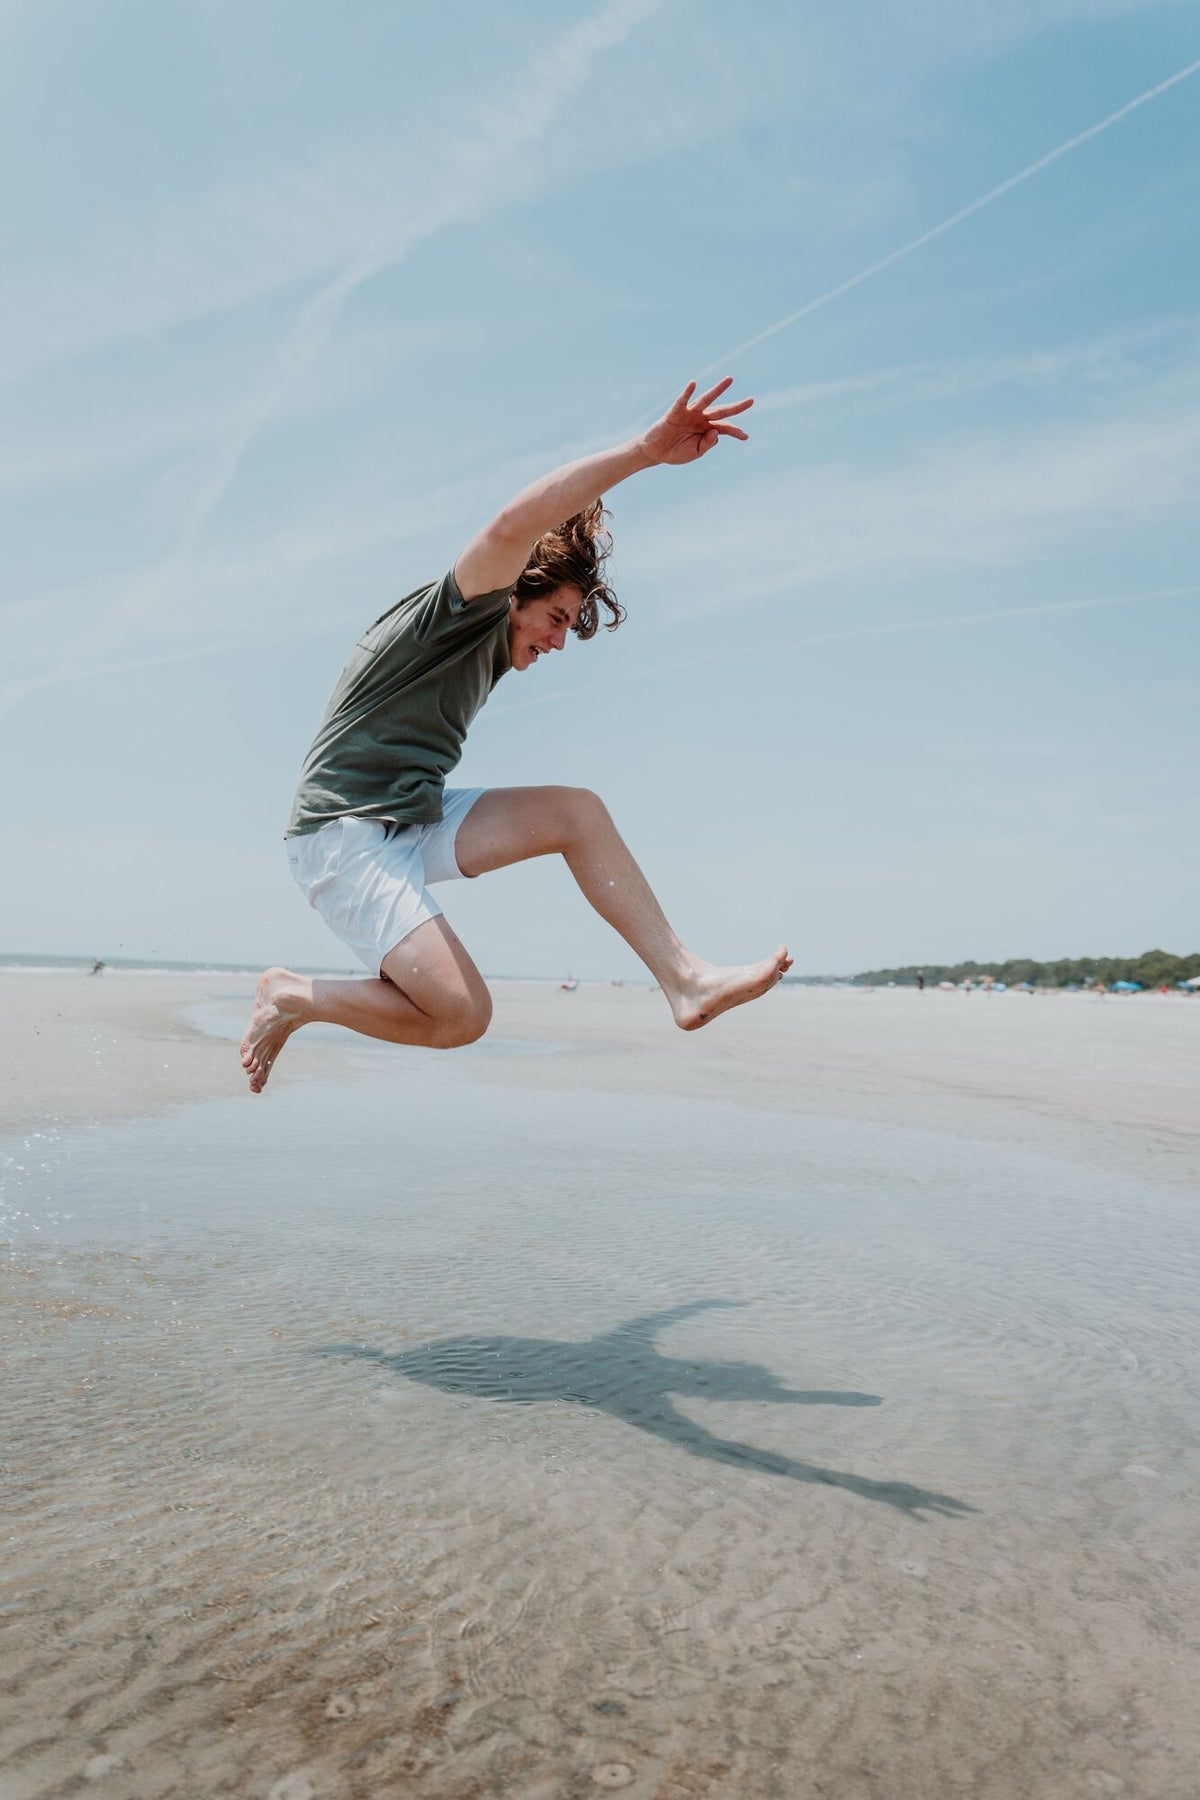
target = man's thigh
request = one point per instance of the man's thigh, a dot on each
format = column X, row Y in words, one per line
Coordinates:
column 509, row 825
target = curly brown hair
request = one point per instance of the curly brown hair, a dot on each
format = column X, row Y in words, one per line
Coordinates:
column 573, row 555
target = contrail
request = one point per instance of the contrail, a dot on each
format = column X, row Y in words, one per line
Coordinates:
column 782, row 646
column 957, row 218
column 552, row 80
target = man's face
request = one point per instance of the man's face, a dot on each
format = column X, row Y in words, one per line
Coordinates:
column 542, row 626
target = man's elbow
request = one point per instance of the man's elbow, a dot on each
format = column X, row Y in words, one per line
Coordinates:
column 508, row 537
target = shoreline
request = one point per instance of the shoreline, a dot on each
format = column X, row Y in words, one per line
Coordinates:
column 79, row 1051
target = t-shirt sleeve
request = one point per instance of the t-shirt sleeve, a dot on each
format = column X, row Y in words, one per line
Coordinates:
column 436, row 613
column 494, row 603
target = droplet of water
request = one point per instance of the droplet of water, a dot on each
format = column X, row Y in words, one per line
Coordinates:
column 298, row 1785
column 100, row 1766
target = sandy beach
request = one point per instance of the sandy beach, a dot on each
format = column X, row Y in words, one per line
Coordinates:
column 804, row 1407
column 77, row 1050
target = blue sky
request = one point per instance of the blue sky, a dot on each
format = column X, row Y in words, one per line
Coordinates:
column 295, row 296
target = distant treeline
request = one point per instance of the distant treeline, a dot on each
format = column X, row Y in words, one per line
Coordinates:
column 1150, row 969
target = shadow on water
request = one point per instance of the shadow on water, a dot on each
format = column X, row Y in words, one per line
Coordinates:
column 624, row 1374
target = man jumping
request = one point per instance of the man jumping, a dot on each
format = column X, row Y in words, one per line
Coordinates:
column 373, row 826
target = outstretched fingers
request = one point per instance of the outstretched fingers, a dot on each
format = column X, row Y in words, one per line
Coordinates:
column 694, row 424
column 714, row 393
column 715, row 417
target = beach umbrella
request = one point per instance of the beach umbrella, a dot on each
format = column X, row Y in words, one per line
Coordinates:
column 1127, row 987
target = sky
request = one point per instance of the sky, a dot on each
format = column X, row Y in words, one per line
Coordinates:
column 295, row 297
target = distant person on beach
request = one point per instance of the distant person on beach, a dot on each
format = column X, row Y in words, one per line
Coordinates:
column 373, row 826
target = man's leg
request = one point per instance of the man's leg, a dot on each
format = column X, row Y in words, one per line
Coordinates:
column 431, row 993
column 509, row 825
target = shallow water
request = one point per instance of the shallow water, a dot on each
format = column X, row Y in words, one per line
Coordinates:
column 419, row 1435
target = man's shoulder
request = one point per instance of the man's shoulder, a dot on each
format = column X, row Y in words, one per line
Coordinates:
column 434, row 608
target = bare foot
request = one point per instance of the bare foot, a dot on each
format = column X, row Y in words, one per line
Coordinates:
column 277, row 1013
column 714, row 990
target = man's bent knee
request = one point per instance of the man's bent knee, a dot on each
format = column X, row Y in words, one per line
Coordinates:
column 584, row 813
column 463, row 1024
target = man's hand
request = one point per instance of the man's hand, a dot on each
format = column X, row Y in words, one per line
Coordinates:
column 693, row 426
column 495, row 558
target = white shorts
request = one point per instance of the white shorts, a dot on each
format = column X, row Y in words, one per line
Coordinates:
column 368, row 881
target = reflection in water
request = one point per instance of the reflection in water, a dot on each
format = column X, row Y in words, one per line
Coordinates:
column 624, row 1374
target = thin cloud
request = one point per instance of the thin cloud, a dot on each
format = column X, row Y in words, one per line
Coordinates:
column 986, row 501
column 957, row 218
column 1102, row 361
column 479, row 171
column 36, row 457
column 784, row 646
column 968, row 501
column 229, row 593
column 278, row 231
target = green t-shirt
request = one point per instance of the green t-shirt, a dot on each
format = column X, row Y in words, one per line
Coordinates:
column 396, row 720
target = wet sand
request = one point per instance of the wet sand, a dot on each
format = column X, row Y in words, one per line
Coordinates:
column 804, row 1407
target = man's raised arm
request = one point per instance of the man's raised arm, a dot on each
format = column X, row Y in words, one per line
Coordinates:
column 495, row 558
